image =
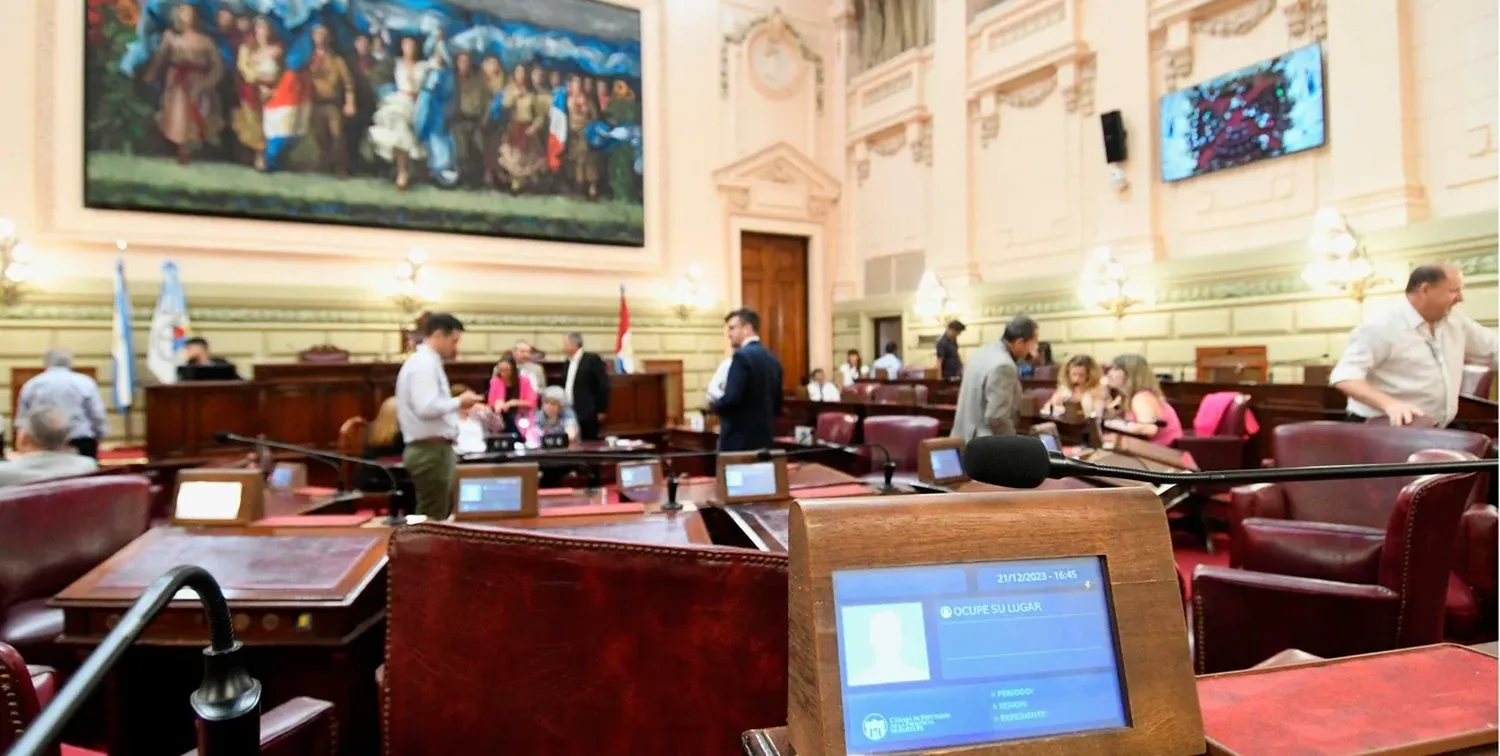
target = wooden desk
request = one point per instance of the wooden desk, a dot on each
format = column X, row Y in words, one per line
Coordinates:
column 306, row 403
column 289, row 503
column 308, row 605
column 764, row 525
column 681, row 528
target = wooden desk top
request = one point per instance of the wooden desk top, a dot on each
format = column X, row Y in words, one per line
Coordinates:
column 290, row 503
column 285, row 586
column 681, row 528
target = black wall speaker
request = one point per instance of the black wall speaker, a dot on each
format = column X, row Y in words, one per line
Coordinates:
column 1113, row 127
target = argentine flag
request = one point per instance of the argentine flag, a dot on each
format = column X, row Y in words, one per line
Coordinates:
column 557, row 129
column 169, row 327
column 122, row 349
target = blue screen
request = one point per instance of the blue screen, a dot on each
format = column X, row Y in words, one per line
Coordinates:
column 1270, row 109
column 489, row 495
column 635, row 476
column 955, row 655
column 281, row 477
column 752, row 479
column 946, row 464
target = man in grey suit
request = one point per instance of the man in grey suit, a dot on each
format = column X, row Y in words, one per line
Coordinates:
column 43, row 450
column 989, row 397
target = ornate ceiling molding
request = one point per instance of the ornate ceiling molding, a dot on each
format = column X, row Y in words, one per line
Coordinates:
column 1235, row 22
column 784, row 171
column 914, row 134
column 1074, row 78
column 771, row 27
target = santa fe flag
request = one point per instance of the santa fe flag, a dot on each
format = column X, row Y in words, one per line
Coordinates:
column 169, row 327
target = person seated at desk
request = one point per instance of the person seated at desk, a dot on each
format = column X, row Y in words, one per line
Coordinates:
column 853, row 369
column 42, row 450
column 888, row 366
column 382, row 440
column 1082, row 382
column 556, row 416
column 473, row 424
column 199, row 364
column 512, row 396
column 819, row 389
column 1142, row 410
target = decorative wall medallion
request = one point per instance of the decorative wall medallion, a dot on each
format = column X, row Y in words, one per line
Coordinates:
column 1306, row 17
column 1023, row 28
column 1079, row 96
column 777, row 53
column 1237, row 21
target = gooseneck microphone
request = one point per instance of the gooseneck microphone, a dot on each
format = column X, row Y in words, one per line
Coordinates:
column 1024, row 462
column 326, row 457
column 889, row 468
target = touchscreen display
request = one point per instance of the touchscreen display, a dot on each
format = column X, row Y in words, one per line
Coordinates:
column 957, row 655
column 489, row 494
column 752, row 479
column 208, row 500
column 281, row 477
column 1050, row 441
column 636, row 476
column 946, row 464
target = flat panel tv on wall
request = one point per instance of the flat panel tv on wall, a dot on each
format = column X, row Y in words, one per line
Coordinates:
column 1266, row 110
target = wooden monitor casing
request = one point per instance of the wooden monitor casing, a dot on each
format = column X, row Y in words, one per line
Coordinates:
column 1126, row 526
column 783, row 487
column 252, row 494
column 656, row 473
column 924, row 460
column 529, row 473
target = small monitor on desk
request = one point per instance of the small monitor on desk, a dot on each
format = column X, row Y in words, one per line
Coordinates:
column 218, row 497
column 638, row 474
column 1051, row 624
column 745, row 477
column 940, row 461
column 217, row 371
column 946, row 656
column 495, row 492
column 288, row 476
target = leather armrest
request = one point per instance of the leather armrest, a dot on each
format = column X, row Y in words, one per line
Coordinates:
column 1320, row 550
column 1214, row 452
column 1242, row 618
column 1262, row 500
column 1479, row 554
column 299, row 727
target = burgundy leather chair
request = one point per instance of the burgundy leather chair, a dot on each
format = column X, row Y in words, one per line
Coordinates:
column 836, row 427
column 53, row 533
column 1226, row 448
column 1478, row 563
column 900, row 435
column 299, row 727
column 894, row 393
column 919, row 393
column 1333, row 590
column 507, row 641
column 1477, row 381
column 859, row 392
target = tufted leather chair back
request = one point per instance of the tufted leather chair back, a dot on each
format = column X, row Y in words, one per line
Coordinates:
column 52, row 533
column 18, row 699
column 1232, row 422
column 899, row 434
column 1365, row 502
column 836, row 427
column 859, row 392
column 507, row 641
column 894, row 393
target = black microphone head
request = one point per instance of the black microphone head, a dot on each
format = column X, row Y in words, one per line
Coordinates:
column 764, row 455
column 222, row 436
column 1010, row 461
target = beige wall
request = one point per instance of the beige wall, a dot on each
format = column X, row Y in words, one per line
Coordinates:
column 729, row 148
column 984, row 153
column 1014, row 184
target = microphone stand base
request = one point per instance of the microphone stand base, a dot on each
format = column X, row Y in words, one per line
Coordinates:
column 395, row 521
column 671, row 506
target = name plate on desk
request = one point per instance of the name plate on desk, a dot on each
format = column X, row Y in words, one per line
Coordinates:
column 495, row 492
column 1052, row 624
column 218, row 497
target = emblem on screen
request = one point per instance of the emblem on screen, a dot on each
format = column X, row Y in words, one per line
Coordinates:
column 874, row 726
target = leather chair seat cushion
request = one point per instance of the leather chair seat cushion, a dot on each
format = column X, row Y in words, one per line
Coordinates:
column 30, row 625
column 1461, row 610
column 44, row 682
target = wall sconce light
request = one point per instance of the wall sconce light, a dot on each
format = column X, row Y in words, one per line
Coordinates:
column 408, row 289
column 930, row 303
column 688, row 293
column 1339, row 260
column 16, row 264
column 1107, row 286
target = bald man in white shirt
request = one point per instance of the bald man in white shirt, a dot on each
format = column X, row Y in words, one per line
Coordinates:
column 1408, row 361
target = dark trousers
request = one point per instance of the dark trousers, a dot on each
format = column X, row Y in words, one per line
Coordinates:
column 88, row 447
column 588, row 428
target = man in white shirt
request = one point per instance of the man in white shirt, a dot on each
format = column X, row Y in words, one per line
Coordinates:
column 427, row 412
column 1408, row 361
column 42, row 449
column 76, row 394
column 888, row 366
column 820, row 390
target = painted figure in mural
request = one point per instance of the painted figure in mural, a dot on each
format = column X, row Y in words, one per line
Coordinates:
column 582, row 161
column 522, row 154
column 468, row 117
column 393, row 135
column 259, row 64
column 333, row 102
column 188, row 65
column 623, row 110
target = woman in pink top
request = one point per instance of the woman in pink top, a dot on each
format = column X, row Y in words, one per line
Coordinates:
column 1142, row 400
column 511, row 396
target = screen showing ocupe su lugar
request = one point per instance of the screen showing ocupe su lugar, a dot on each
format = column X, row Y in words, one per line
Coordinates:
column 939, row 656
column 750, row 479
column 490, row 494
column 947, row 464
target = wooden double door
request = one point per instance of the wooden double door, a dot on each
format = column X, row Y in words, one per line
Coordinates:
column 773, row 282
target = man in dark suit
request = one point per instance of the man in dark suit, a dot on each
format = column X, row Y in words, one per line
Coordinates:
column 752, row 395
column 587, row 387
